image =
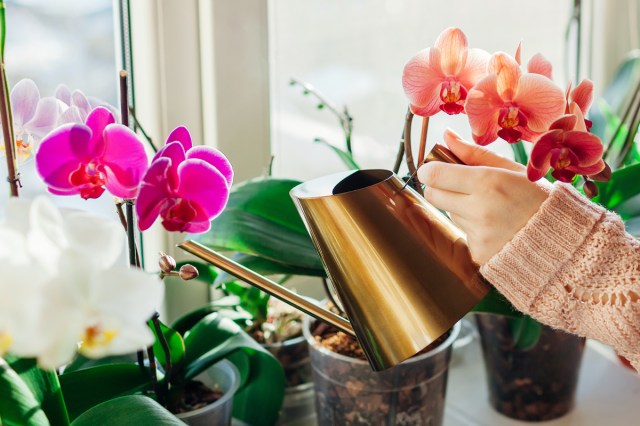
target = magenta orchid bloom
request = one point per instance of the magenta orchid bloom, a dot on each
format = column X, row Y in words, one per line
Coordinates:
column 87, row 158
column 439, row 78
column 568, row 148
column 185, row 185
column 512, row 105
column 33, row 117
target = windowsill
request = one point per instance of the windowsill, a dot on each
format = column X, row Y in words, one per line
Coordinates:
column 608, row 393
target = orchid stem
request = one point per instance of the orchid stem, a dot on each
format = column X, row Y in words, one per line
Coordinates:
column 519, row 153
column 154, row 375
column 5, row 106
column 400, row 154
column 423, row 140
column 407, row 152
column 139, row 126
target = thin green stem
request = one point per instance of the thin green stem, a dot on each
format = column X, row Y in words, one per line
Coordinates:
column 519, row 153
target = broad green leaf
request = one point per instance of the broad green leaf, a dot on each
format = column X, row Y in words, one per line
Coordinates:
column 87, row 388
column 45, row 387
column 18, row 404
column 80, row 362
column 206, row 272
column 132, row 410
column 259, row 399
column 525, row 331
column 265, row 267
column 345, row 156
column 175, row 343
column 261, row 219
column 183, row 324
column 496, row 303
column 622, row 187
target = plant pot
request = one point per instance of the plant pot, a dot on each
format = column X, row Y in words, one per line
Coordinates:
column 226, row 377
column 293, row 354
column 537, row 384
column 349, row 392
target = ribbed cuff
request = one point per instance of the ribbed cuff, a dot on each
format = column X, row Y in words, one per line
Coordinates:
column 546, row 243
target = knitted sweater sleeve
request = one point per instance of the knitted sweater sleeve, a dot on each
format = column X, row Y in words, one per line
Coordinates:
column 573, row 267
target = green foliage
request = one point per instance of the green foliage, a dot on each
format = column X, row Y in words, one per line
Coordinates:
column 345, row 156
column 133, row 410
column 18, row 404
column 265, row 267
column 89, row 387
column 621, row 192
column 175, row 343
column 525, row 331
column 261, row 392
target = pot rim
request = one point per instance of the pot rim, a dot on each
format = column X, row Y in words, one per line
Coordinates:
column 235, row 384
column 306, row 323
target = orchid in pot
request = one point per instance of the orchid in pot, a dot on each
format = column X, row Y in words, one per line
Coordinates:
column 80, row 335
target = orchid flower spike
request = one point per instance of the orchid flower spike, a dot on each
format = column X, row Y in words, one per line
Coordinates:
column 88, row 158
column 33, row 117
column 439, row 78
column 186, row 186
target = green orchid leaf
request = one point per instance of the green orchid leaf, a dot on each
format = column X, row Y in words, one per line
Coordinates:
column 525, row 331
column 620, row 189
column 87, row 388
column 265, row 267
column 132, row 410
column 496, row 303
column 175, row 343
column 45, row 387
column 18, row 404
column 225, row 304
column 260, row 397
column 345, row 156
column 206, row 273
column 261, row 219
column 80, row 362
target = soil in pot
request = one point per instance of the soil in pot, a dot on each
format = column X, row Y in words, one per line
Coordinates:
column 349, row 392
column 197, row 395
column 537, row 384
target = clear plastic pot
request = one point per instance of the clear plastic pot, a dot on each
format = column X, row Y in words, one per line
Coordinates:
column 225, row 376
column 349, row 392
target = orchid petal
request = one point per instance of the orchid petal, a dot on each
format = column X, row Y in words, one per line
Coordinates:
column 79, row 100
column 97, row 120
column 518, row 55
column 538, row 64
column 63, row 93
column 566, row 122
column 44, row 119
column 175, row 152
column 24, row 100
column 541, row 152
column 483, row 106
column 71, row 115
column 452, row 44
column 125, row 160
column 534, row 174
column 540, row 100
column 61, row 153
column 586, row 146
column 92, row 234
column 590, row 170
column 583, row 95
column 428, row 110
column 198, row 227
column 214, row 157
column 153, row 193
column 421, row 80
column 182, row 135
column 508, row 73
column 475, row 69
column 574, row 109
column 204, row 185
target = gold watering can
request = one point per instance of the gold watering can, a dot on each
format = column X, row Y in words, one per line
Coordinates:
column 401, row 268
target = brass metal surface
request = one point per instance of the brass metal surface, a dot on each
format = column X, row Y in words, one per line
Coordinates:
column 266, row 285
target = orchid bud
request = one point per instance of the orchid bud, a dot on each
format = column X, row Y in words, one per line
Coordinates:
column 166, row 263
column 188, row 272
column 590, row 188
column 604, row 175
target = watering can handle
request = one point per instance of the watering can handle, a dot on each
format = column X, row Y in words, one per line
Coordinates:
column 266, row 285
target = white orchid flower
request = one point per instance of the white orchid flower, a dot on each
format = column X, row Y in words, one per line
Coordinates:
column 78, row 106
column 66, row 291
column 33, row 117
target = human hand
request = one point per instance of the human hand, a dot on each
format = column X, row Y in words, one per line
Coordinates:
column 490, row 198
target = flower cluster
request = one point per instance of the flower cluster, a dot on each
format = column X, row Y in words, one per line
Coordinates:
column 503, row 101
column 72, row 295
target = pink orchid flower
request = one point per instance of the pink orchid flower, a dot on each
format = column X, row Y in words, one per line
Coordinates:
column 185, row 185
column 582, row 96
column 77, row 106
column 33, row 117
column 439, row 78
column 512, row 105
column 568, row 148
column 87, row 158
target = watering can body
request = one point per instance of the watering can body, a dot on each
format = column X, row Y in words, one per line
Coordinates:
column 401, row 268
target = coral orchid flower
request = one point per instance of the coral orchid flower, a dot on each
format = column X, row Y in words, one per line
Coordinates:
column 87, row 158
column 439, row 78
column 512, row 105
column 568, row 148
column 187, row 186
column 582, row 96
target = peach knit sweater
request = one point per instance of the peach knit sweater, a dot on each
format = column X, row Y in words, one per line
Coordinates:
column 573, row 267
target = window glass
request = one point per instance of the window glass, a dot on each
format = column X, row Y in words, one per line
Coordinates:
column 353, row 51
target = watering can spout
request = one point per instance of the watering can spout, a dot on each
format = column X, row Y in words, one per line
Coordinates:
column 401, row 268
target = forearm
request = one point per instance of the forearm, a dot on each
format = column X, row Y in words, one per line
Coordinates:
column 573, row 267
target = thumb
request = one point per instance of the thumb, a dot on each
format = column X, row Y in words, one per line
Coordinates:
column 476, row 155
